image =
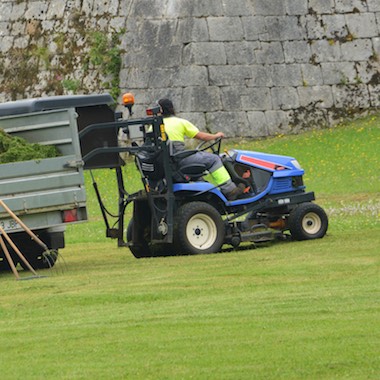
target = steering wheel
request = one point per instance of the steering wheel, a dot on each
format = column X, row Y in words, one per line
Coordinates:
column 214, row 145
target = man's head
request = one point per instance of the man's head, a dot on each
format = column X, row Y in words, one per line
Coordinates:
column 166, row 107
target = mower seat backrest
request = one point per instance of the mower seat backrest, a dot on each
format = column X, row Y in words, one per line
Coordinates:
column 185, row 173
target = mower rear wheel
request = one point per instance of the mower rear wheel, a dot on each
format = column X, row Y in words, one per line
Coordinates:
column 199, row 228
column 308, row 221
column 144, row 249
column 140, row 250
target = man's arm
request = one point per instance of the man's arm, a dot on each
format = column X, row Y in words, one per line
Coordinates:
column 208, row 136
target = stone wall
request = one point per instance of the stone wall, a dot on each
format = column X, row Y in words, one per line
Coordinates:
column 246, row 67
column 59, row 46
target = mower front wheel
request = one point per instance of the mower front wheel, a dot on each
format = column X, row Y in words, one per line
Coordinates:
column 199, row 228
column 308, row 221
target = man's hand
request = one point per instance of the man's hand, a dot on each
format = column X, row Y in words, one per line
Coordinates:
column 208, row 136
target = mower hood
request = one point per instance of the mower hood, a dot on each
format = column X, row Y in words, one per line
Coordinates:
column 269, row 162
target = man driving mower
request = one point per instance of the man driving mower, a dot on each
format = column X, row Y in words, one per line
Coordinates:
column 177, row 129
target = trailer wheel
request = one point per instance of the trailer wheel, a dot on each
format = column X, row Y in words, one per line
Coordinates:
column 4, row 265
column 308, row 221
column 40, row 260
column 143, row 249
column 199, row 228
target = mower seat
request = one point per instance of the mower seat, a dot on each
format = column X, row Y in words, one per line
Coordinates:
column 186, row 173
column 189, row 173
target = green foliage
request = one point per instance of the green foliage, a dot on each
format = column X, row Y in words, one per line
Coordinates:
column 100, row 50
column 104, row 54
column 20, row 73
column 99, row 47
column 71, row 84
column 42, row 53
column 13, row 149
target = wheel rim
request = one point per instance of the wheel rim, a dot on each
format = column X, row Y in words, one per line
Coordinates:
column 201, row 231
column 311, row 223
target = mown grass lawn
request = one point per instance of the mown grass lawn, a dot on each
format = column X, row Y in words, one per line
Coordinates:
column 291, row 310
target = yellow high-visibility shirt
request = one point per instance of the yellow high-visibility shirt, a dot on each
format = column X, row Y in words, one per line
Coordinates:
column 177, row 128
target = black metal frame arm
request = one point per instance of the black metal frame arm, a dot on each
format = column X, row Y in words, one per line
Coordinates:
column 158, row 142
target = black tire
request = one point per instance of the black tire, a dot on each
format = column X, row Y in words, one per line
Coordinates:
column 140, row 250
column 199, row 229
column 40, row 260
column 143, row 249
column 308, row 221
column 4, row 265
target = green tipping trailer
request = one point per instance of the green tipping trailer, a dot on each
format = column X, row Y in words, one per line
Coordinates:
column 48, row 194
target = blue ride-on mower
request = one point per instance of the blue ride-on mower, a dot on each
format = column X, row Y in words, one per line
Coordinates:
column 178, row 212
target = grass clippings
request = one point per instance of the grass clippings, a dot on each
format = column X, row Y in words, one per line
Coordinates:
column 14, row 149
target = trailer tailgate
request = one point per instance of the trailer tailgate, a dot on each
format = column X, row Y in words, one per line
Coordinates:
column 39, row 191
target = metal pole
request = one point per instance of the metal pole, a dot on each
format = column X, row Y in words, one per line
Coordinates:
column 9, row 258
column 23, row 225
column 20, row 255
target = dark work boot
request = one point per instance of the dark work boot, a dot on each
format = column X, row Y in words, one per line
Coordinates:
column 236, row 193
